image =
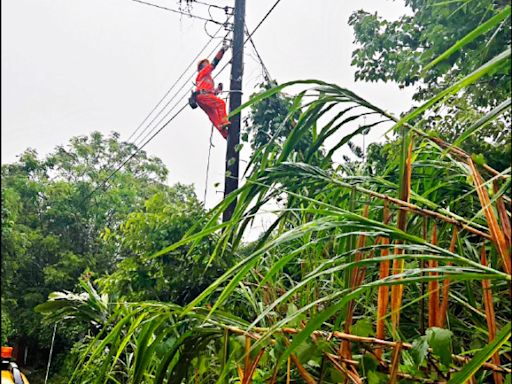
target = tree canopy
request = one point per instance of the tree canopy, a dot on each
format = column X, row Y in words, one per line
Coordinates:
column 402, row 51
column 54, row 210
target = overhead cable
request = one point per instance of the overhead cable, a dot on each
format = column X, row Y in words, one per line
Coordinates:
column 178, row 11
column 169, row 102
column 252, row 33
column 208, row 166
column 105, row 181
column 173, row 85
column 158, row 114
column 176, row 114
column 265, row 70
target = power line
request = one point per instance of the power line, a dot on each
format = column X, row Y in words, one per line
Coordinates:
column 252, row 33
column 208, row 166
column 172, row 98
column 265, row 70
column 177, row 11
column 262, row 20
column 169, row 102
column 212, row 5
column 177, row 113
column 248, row 38
column 104, row 182
column 172, row 86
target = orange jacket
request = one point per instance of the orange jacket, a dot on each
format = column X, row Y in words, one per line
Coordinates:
column 204, row 79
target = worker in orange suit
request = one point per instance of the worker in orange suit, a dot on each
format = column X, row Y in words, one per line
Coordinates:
column 207, row 98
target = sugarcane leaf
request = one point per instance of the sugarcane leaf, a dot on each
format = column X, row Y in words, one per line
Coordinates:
column 481, row 357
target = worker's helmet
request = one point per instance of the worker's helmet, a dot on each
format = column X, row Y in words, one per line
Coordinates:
column 6, row 352
column 203, row 63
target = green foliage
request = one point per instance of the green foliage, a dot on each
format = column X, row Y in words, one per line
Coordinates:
column 419, row 351
column 296, row 274
column 7, row 330
column 460, row 35
column 88, row 307
column 266, row 118
column 400, row 50
column 177, row 277
column 327, row 231
column 363, row 327
column 51, row 226
column 482, row 356
column 269, row 121
column 440, row 341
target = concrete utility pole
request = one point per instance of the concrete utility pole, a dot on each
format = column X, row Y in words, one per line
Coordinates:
column 235, row 100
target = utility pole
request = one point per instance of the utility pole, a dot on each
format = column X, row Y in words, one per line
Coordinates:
column 235, row 100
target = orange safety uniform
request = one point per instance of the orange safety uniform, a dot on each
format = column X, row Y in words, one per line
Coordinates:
column 206, row 97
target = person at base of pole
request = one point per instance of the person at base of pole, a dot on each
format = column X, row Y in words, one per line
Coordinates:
column 11, row 374
column 206, row 92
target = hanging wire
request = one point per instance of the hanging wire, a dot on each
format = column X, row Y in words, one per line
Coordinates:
column 177, row 11
column 176, row 94
column 158, row 114
column 51, row 351
column 215, row 35
column 105, row 181
column 208, row 166
column 172, row 108
column 209, row 153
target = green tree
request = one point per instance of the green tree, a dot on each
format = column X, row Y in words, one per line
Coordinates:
column 272, row 118
column 266, row 118
column 401, row 50
column 178, row 276
column 51, row 219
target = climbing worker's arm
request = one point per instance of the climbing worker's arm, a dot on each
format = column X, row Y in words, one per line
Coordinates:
column 218, row 56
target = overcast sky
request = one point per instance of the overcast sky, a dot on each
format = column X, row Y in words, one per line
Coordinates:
column 70, row 67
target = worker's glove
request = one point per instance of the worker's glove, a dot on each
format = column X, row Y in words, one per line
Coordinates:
column 225, row 46
column 220, row 87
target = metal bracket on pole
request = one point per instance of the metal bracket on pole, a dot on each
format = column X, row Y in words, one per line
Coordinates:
column 230, row 11
column 229, row 27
